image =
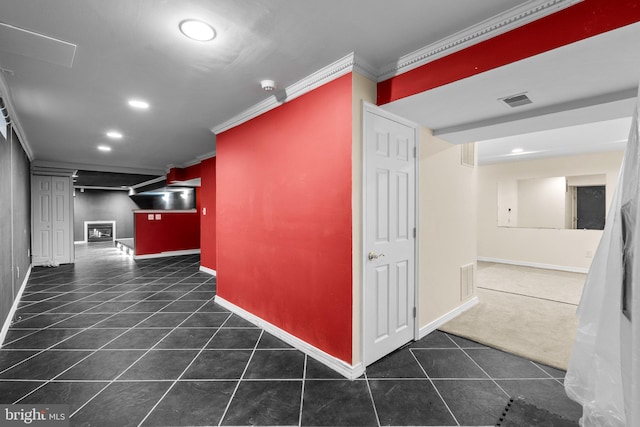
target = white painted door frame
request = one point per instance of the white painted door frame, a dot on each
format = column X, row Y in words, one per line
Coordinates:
column 367, row 110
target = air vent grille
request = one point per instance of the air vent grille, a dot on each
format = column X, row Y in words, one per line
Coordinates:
column 468, row 153
column 517, row 100
column 467, row 281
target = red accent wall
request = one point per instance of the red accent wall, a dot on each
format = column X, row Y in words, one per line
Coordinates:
column 183, row 174
column 172, row 232
column 207, row 197
column 575, row 23
column 284, row 217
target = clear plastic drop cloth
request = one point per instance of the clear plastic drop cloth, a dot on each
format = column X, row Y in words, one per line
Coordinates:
column 604, row 369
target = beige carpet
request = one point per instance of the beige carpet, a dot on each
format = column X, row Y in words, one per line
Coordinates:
column 525, row 311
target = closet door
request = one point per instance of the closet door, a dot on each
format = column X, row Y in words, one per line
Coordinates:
column 51, row 219
column 41, row 219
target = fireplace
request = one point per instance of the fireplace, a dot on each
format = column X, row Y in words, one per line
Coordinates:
column 99, row 231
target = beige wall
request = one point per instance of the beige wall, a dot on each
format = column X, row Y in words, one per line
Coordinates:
column 363, row 90
column 560, row 248
column 447, row 225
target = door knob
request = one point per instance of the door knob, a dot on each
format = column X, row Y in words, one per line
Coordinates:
column 373, row 256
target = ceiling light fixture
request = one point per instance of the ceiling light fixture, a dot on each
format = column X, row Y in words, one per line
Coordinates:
column 104, row 148
column 139, row 104
column 114, row 134
column 197, row 30
column 268, row 85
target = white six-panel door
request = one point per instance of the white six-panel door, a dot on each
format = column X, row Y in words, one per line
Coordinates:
column 389, row 227
column 52, row 219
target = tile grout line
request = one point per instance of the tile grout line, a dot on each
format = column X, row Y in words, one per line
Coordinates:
column 434, row 387
column 187, row 367
column 304, row 380
column 84, row 358
column 139, row 358
column 373, row 402
column 226, row 409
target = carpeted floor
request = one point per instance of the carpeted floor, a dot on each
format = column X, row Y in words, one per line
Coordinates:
column 526, row 311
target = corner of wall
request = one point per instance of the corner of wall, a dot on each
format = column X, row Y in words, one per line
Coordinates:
column 447, row 226
column 363, row 90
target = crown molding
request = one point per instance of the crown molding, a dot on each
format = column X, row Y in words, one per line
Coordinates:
column 331, row 72
column 97, row 168
column 14, row 122
column 492, row 27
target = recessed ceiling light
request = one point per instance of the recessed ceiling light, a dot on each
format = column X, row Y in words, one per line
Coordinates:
column 517, row 150
column 137, row 103
column 104, row 148
column 197, row 30
column 114, row 134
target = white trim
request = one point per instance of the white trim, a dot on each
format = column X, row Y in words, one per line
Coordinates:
column 321, row 77
column 151, row 181
column 93, row 167
column 432, row 326
column 95, row 187
column 516, row 17
column 168, row 253
column 14, row 307
column 113, row 227
column 14, row 123
column 535, row 265
column 340, row 366
column 373, row 109
column 161, row 211
column 208, row 270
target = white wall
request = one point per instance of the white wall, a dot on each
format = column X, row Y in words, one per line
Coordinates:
column 559, row 248
column 447, row 226
column 541, row 202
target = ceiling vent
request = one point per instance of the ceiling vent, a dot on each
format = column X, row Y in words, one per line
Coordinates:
column 516, row 100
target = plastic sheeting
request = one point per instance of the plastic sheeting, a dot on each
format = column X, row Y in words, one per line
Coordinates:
column 604, row 369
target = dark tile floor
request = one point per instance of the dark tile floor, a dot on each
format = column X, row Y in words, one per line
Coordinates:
column 126, row 342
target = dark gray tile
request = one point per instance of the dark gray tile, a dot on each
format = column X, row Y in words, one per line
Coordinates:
column 448, row 363
column 218, row 364
column 205, row 320
column 8, row 358
column 265, row 403
column 409, row 402
column 193, row 403
column 160, row 365
column 10, row 391
column 16, row 334
column 122, row 320
column 163, row 320
column 435, row 339
column 147, row 307
column 337, row 403
column 521, row 413
column 165, row 296
column 544, row 393
column 91, row 339
column 499, row 364
column 138, row 339
column 201, row 296
column 134, row 296
column 183, row 306
column 111, row 307
column 473, row 402
column 213, row 307
column 43, row 339
column 465, row 343
column 74, row 394
column 82, row 320
column 187, row 338
column 269, row 341
column 102, row 365
column 41, row 320
column 553, row 372
column 236, row 321
column 276, row 364
column 317, row 370
column 399, row 364
column 45, row 365
column 241, row 338
column 121, row 404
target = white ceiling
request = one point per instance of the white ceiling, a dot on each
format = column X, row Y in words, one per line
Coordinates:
column 100, row 53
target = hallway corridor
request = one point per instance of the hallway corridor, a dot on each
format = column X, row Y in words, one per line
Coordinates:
column 126, row 342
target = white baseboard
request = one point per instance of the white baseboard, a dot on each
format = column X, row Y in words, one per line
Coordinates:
column 343, row 368
column 14, row 307
column 208, row 270
column 168, row 253
column 79, row 242
column 535, row 265
column 432, row 326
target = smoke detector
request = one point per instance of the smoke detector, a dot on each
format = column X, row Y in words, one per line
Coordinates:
column 268, row 85
column 516, row 100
